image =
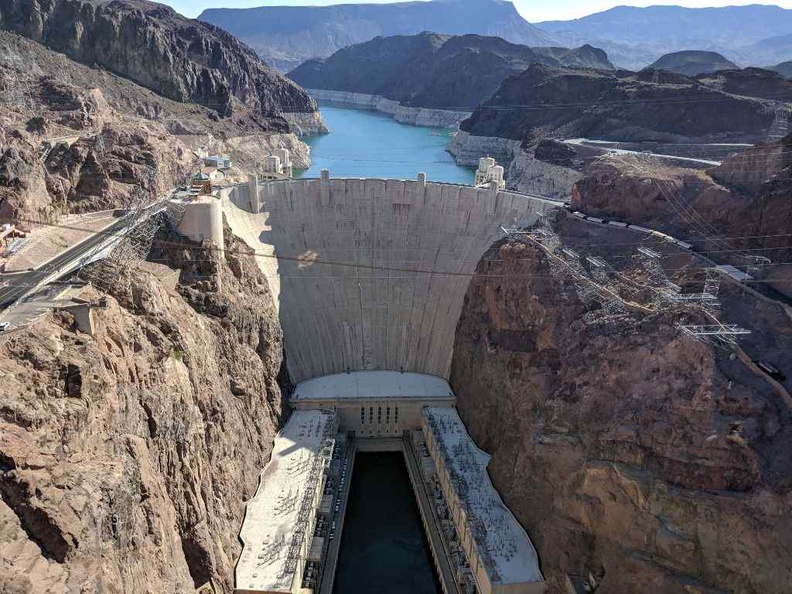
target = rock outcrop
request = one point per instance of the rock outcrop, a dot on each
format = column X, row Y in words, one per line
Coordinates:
column 76, row 138
column 751, row 82
column 181, row 59
column 620, row 106
column 286, row 36
column 126, row 456
column 434, row 71
column 746, row 199
column 693, row 62
column 628, row 450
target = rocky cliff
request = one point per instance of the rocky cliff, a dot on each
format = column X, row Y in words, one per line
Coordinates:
column 619, row 106
column 434, row 71
column 75, row 138
column 628, row 450
column 184, row 60
column 126, row 456
column 746, row 197
column 693, row 62
column 286, row 36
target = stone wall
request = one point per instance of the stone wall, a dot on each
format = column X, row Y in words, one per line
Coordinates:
column 417, row 116
column 382, row 304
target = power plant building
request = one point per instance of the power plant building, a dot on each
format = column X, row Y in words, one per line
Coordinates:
column 375, row 403
column 277, row 530
column 501, row 556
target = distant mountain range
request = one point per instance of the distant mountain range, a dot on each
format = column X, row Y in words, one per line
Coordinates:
column 755, row 35
column 435, row 71
column 285, row 36
column 785, row 69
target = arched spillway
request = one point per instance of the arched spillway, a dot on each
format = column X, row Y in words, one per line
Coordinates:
column 402, row 253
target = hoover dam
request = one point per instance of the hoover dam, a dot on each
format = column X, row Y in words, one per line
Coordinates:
column 370, row 274
column 369, row 277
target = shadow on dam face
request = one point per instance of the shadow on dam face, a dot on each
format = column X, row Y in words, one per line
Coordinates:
column 383, row 545
column 371, row 274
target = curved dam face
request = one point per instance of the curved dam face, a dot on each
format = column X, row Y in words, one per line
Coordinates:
column 371, row 274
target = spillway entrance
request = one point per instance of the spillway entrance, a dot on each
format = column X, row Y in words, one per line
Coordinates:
column 383, row 547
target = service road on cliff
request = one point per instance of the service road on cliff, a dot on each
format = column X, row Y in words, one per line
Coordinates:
column 15, row 287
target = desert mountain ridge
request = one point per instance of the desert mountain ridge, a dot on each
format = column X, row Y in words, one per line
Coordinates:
column 435, row 71
column 634, row 37
column 693, row 62
column 286, row 36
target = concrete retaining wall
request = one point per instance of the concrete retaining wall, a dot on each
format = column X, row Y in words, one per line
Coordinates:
column 384, row 304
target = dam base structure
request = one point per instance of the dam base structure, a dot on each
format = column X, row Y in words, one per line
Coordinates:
column 369, row 277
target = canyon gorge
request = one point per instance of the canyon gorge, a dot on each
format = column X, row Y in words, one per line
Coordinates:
column 637, row 455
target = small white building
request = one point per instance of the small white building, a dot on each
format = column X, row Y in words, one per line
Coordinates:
column 489, row 171
column 278, row 165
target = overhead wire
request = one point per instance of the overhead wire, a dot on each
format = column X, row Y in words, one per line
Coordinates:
column 309, row 261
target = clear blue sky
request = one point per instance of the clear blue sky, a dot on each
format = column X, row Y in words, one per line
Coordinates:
column 532, row 10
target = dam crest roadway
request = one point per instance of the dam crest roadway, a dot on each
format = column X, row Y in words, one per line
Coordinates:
column 369, row 277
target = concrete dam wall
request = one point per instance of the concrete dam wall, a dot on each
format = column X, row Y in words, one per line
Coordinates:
column 371, row 274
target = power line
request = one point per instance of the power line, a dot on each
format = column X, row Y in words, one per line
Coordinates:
column 308, row 262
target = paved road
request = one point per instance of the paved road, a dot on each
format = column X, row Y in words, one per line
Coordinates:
column 16, row 286
column 605, row 145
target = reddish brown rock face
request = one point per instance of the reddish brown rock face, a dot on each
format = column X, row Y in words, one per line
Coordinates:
column 746, row 199
column 126, row 457
column 634, row 453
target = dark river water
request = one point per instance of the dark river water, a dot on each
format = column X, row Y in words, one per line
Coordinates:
column 368, row 144
column 383, row 547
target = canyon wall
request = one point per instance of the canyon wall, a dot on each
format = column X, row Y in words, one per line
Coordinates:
column 182, row 59
column 75, row 138
column 628, row 450
column 126, row 456
column 416, row 116
column 401, row 254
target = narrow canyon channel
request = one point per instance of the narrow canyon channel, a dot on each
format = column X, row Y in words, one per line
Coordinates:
column 368, row 144
column 383, row 547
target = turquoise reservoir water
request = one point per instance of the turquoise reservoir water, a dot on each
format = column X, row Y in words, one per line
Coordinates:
column 368, row 144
